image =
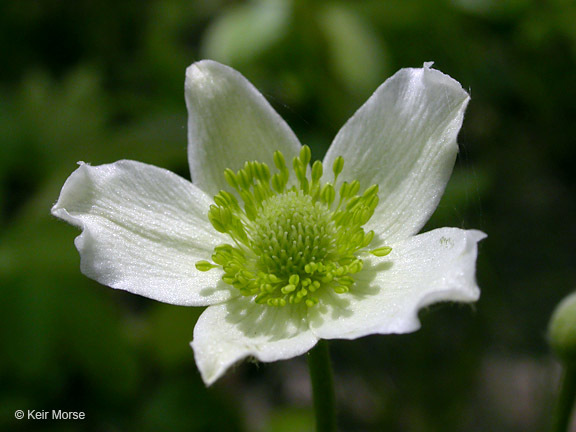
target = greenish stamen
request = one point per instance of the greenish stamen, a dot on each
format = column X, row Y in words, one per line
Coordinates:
column 289, row 242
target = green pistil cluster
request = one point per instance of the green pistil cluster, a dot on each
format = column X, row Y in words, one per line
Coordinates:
column 291, row 240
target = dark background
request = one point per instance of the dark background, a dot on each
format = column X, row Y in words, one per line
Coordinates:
column 102, row 80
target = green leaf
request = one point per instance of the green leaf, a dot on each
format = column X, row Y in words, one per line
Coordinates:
column 246, row 31
column 357, row 55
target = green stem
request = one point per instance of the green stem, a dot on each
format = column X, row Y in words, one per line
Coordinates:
column 566, row 399
column 322, row 387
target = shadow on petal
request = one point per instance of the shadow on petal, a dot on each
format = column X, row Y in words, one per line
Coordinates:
column 267, row 322
column 334, row 306
column 220, row 286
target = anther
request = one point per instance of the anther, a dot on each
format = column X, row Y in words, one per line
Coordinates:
column 291, row 242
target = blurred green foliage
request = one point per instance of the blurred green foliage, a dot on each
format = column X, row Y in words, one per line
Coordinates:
column 102, row 81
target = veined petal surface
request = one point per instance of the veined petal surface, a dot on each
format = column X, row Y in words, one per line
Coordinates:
column 435, row 266
column 229, row 123
column 227, row 333
column 143, row 229
column 404, row 139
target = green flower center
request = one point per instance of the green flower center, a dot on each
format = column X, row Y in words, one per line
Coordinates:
column 291, row 241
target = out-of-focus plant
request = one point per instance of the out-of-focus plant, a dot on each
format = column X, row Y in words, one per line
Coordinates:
column 562, row 339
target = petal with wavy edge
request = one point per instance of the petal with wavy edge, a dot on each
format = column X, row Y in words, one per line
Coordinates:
column 227, row 333
column 435, row 266
column 403, row 139
column 229, row 123
column 143, row 229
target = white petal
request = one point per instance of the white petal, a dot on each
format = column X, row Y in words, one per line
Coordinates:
column 143, row 229
column 227, row 333
column 229, row 123
column 439, row 265
column 404, row 139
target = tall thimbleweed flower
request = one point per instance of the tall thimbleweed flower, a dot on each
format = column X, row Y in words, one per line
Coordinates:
column 284, row 252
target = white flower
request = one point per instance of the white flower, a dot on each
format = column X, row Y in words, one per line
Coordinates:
column 153, row 233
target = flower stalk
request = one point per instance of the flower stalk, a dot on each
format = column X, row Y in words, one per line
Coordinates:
column 566, row 399
column 562, row 339
column 322, row 387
